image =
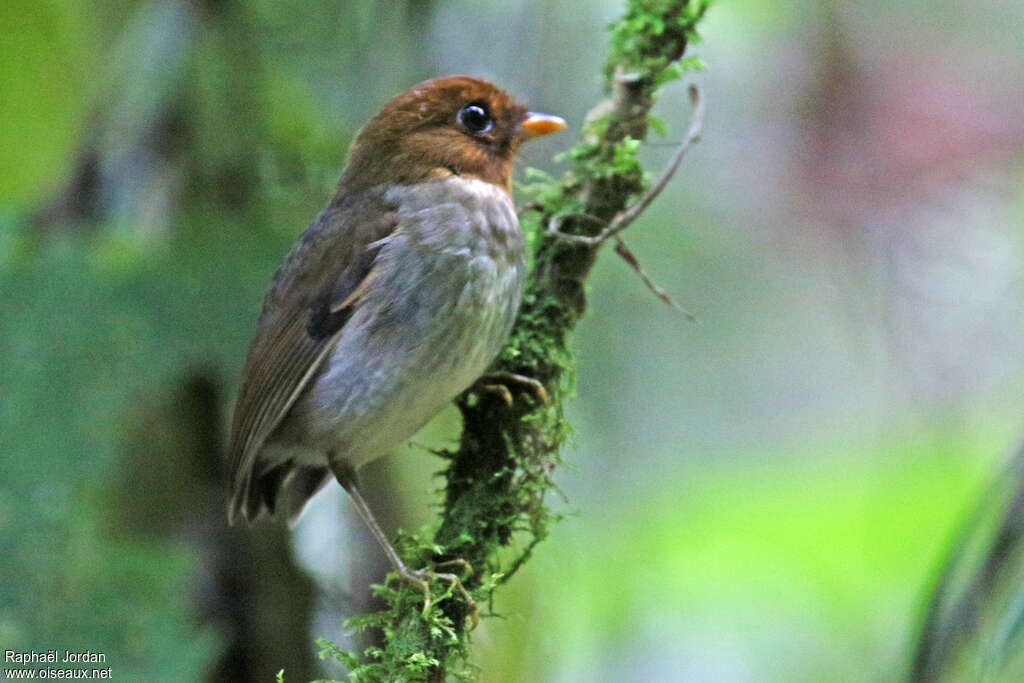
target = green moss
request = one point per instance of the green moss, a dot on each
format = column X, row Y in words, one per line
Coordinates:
column 650, row 39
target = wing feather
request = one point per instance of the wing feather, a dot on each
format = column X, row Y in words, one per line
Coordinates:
column 304, row 315
column 294, row 359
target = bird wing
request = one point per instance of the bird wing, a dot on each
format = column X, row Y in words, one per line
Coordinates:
column 313, row 295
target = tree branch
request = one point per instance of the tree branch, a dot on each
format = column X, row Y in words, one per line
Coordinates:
column 625, row 218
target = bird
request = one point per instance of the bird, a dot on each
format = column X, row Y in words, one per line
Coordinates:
column 394, row 300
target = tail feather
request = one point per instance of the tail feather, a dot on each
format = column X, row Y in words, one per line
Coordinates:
column 280, row 492
column 302, row 485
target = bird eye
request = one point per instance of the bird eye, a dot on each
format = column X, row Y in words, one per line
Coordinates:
column 475, row 118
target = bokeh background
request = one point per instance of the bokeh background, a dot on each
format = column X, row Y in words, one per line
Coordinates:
column 765, row 495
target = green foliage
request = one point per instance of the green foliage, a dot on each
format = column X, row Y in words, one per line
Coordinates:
column 829, row 542
column 45, row 63
column 412, row 629
column 101, row 316
column 647, row 39
column 70, row 575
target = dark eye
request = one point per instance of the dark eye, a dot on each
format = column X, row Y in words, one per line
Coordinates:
column 475, row 118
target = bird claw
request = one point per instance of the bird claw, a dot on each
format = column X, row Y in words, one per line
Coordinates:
column 497, row 383
column 466, row 567
column 422, row 578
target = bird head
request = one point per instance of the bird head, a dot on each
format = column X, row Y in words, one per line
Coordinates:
column 455, row 125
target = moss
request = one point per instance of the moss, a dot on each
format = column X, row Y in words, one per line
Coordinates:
column 651, row 37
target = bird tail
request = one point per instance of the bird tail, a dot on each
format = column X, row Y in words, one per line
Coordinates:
column 281, row 492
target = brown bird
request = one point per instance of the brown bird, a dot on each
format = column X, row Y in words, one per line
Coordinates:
column 391, row 303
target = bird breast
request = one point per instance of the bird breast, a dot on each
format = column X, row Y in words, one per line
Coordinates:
column 445, row 288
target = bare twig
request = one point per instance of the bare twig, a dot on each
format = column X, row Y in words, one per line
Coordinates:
column 630, row 258
column 627, row 216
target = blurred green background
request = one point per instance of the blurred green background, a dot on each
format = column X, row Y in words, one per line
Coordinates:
column 765, row 495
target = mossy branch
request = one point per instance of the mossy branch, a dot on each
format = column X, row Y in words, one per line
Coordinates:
column 497, row 481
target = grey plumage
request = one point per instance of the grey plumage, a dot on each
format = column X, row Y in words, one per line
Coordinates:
column 392, row 303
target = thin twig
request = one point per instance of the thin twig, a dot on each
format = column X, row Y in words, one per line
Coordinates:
column 627, row 216
column 630, row 258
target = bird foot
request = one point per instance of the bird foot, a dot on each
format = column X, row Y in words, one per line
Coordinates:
column 422, row 578
column 498, row 383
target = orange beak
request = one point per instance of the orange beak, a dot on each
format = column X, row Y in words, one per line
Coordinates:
column 537, row 125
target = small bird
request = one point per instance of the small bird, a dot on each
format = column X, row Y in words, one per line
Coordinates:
column 392, row 302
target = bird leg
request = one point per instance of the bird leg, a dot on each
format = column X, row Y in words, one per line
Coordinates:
column 346, row 476
column 498, row 383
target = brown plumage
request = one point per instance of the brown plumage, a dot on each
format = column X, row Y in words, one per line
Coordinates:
column 321, row 272
column 412, row 138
